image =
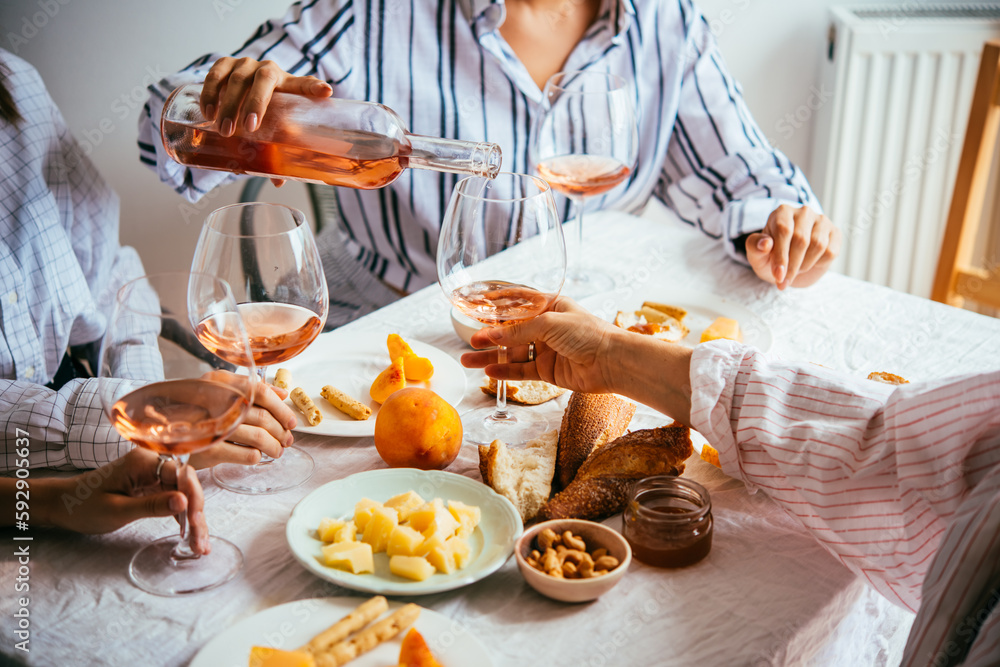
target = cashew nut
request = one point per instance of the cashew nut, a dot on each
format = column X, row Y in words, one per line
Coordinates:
column 605, row 563
column 573, row 542
column 547, row 539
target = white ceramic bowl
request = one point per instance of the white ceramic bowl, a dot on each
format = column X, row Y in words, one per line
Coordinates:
column 464, row 326
column 596, row 535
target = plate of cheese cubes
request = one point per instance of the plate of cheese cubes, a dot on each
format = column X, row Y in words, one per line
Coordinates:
column 403, row 531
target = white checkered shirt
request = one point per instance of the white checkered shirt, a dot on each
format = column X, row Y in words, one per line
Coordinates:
column 60, row 267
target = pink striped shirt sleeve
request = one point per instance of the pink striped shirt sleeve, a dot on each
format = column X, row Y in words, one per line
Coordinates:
column 888, row 479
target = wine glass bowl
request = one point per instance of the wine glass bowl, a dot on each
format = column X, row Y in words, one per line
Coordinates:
column 181, row 412
column 268, row 254
column 489, row 280
column 585, row 144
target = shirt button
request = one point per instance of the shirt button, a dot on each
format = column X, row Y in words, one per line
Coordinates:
column 29, row 372
column 12, row 298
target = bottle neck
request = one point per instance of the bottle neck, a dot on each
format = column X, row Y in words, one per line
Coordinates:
column 476, row 158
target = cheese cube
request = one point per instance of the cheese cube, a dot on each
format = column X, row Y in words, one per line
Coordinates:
column 405, row 503
column 443, row 524
column 429, row 544
column 411, row 567
column 354, row 557
column 265, row 656
column 379, row 528
column 333, row 530
column 404, row 541
column 328, row 529
column 443, row 559
column 722, row 327
column 420, row 518
column 363, row 511
column 468, row 517
column 461, row 550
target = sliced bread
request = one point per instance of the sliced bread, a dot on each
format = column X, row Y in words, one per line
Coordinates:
column 525, row 392
column 523, row 475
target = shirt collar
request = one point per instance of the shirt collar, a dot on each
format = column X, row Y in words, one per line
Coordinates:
column 491, row 12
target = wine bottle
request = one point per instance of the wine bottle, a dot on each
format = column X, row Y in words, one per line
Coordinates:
column 338, row 142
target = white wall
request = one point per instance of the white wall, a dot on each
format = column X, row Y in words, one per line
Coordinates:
column 97, row 56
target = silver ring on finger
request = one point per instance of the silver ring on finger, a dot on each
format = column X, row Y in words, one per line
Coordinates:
column 159, row 468
column 531, row 351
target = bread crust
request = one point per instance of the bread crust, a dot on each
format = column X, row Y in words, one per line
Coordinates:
column 602, row 484
column 589, row 422
column 525, row 392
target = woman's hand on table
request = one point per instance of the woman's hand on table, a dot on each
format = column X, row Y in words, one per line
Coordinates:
column 796, row 247
column 115, row 495
column 267, row 428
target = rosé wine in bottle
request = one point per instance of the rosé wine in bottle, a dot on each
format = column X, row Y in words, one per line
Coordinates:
column 333, row 141
column 277, row 332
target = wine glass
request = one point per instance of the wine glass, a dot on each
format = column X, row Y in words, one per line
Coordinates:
column 267, row 253
column 485, row 218
column 184, row 413
column 585, row 143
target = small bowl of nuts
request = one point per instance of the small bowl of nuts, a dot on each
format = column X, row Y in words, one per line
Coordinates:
column 572, row 560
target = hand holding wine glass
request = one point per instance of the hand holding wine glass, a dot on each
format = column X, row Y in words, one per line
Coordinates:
column 185, row 413
column 268, row 253
column 485, row 218
column 585, row 144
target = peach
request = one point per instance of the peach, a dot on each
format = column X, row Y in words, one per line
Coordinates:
column 388, row 381
column 416, row 428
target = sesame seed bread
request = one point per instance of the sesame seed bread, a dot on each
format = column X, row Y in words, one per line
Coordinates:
column 603, row 482
column 589, row 422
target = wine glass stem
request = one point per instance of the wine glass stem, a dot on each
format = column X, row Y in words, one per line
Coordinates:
column 183, row 549
column 501, row 410
column 577, row 252
column 262, row 374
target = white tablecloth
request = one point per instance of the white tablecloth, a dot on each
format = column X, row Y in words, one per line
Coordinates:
column 766, row 595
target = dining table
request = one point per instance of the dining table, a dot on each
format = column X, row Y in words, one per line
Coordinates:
column 767, row 593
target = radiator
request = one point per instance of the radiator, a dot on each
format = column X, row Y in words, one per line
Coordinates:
column 887, row 141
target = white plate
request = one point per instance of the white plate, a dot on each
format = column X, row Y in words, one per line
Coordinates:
column 703, row 308
column 351, row 363
column 291, row 625
column 492, row 542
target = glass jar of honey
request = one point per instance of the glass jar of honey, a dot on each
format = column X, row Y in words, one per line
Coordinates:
column 668, row 521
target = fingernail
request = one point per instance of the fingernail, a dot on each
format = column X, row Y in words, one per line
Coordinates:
column 210, row 112
column 251, row 122
column 762, row 244
column 292, row 423
column 176, row 504
column 289, row 440
column 227, row 127
column 321, row 87
column 780, row 276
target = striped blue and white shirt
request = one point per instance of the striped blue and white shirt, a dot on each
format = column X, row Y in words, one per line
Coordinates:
column 447, row 71
column 60, row 268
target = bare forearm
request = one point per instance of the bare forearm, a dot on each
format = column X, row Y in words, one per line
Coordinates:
column 652, row 372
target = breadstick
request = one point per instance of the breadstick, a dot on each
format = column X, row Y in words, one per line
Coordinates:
column 345, row 651
column 283, row 378
column 346, row 404
column 306, row 406
column 363, row 614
